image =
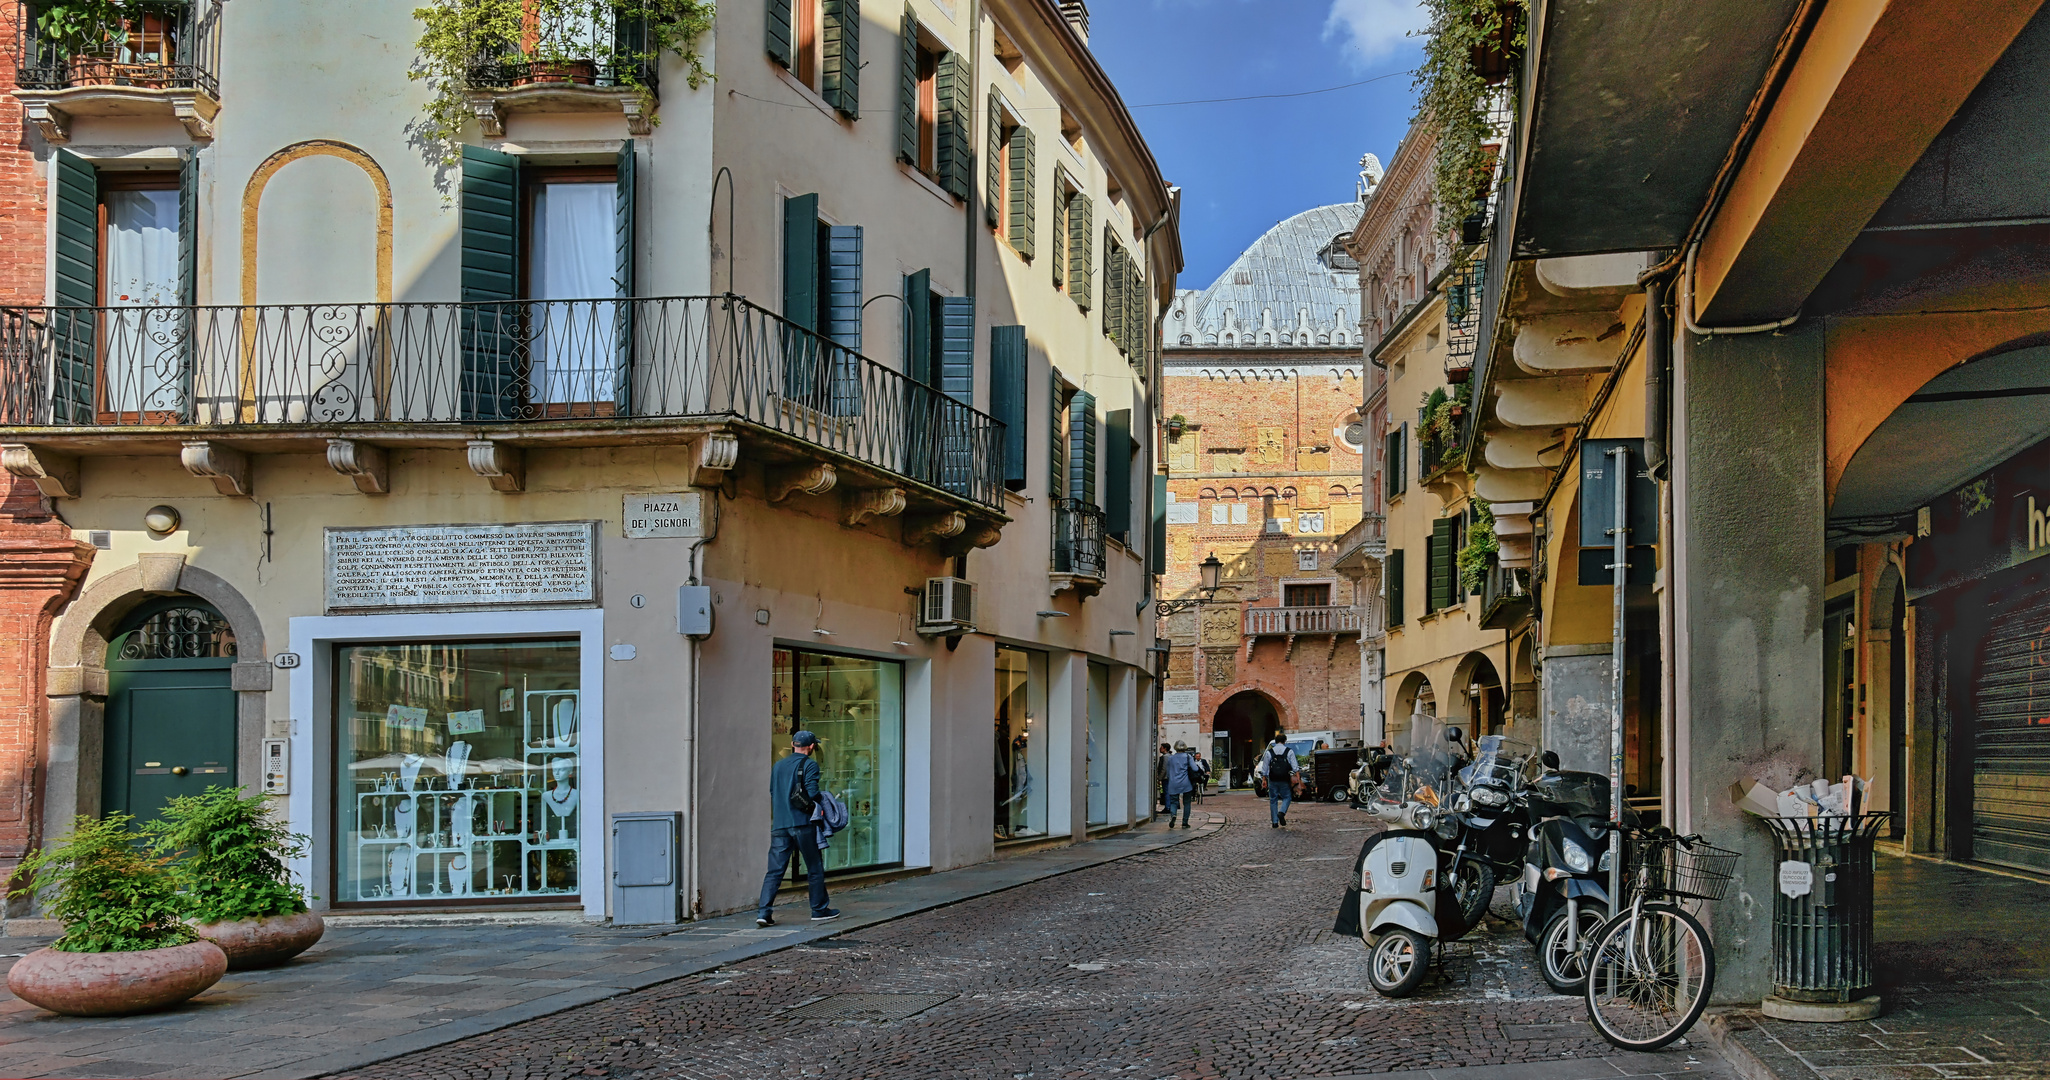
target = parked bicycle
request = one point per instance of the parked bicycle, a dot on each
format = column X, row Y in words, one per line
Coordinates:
column 1652, row 968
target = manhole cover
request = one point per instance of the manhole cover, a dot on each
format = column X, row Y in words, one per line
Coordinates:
column 873, row 1008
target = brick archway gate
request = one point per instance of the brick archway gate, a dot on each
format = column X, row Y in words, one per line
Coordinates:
column 1248, row 719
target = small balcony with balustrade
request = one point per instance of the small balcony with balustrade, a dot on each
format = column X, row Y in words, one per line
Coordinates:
column 1078, row 548
column 133, row 59
column 1332, row 621
column 214, row 386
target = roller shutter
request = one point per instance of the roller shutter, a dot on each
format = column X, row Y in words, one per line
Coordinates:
column 2011, row 741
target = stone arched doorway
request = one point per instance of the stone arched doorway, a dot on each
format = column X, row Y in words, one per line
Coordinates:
column 1476, row 697
column 86, row 643
column 1247, row 720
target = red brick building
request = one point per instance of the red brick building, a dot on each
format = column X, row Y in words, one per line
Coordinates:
column 40, row 564
column 1265, row 445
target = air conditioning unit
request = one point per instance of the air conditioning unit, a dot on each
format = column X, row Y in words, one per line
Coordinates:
column 949, row 606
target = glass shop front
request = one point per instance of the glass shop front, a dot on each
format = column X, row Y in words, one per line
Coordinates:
column 458, row 769
column 1020, row 788
column 855, row 705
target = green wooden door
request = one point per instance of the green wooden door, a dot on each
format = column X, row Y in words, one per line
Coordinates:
column 170, row 731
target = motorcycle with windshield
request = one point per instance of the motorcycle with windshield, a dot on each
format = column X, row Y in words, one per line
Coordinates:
column 1486, row 827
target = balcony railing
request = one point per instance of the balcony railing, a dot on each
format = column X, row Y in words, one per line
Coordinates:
column 150, row 45
column 1505, row 597
column 1077, row 538
column 1436, row 454
column 1323, row 619
column 582, row 49
column 541, row 362
column 1369, row 534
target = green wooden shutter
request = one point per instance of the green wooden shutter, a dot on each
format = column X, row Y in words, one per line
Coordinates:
column 1081, row 235
column 1439, row 559
column 918, row 328
column 1113, row 288
column 1402, row 457
column 993, row 181
column 1135, row 312
column 1057, row 232
column 1117, row 474
column 491, row 259
column 907, row 87
column 76, row 207
column 840, row 315
column 956, row 325
column 780, row 32
column 1057, row 441
column 956, row 163
column 623, row 204
column 1082, row 447
column 188, row 229
column 840, row 82
column 1156, row 550
column 1392, row 569
column 1007, row 398
column 801, row 260
column 1022, row 190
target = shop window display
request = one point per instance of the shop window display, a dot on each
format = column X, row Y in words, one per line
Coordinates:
column 1020, row 788
column 458, row 771
column 855, row 706
column 1099, row 745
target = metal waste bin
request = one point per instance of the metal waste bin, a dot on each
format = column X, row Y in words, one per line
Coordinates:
column 1822, row 917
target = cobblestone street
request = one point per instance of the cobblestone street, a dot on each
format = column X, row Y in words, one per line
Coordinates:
column 1208, row 959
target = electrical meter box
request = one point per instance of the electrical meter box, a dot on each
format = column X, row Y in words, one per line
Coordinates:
column 647, row 879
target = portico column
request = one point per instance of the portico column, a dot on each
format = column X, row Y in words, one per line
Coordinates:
column 1748, row 560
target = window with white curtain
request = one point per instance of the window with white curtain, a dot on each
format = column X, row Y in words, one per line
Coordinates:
column 570, row 258
column 144, row 348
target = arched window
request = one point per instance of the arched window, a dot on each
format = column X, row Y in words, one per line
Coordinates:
column 184, row 628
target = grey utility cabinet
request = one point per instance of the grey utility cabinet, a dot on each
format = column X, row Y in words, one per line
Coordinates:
column 647, row 877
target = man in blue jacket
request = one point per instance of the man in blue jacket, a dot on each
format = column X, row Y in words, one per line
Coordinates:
column 793, row 790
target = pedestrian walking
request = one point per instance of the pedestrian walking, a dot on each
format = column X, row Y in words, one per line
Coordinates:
column 1278, row 767
column 1201, row 774
column 1160, row 777
column 1179, row 770
column 793, row 795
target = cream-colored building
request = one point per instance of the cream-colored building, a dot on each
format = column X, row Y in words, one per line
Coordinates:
column 1445, row 645
column 468, row 501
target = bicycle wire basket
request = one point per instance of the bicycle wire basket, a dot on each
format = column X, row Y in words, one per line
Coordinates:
column 1669, row 866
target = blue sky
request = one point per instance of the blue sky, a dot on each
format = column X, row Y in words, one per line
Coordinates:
column 1245, row 165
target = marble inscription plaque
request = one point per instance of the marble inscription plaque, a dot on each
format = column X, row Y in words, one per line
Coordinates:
column 455, row 567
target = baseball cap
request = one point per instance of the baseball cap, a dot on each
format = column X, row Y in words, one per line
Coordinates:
column 804, row 738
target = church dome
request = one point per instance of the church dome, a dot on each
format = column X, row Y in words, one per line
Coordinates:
column 1295, row 287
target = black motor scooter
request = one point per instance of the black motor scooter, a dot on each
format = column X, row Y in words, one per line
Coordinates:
column 1563, row 896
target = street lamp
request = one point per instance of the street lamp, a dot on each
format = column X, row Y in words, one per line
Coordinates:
column 1208, row 571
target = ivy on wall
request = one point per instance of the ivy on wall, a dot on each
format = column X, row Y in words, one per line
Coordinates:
column 457, row 34
column 1481, row 547
column 1470, row 47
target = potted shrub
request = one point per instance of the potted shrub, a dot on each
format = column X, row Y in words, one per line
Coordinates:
column 231, row 854
column 125, row 947
column 86, row 34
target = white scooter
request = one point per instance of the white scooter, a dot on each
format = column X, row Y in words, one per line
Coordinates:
column 1398, row 893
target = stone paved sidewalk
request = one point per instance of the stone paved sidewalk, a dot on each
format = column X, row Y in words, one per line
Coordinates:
column 1963, row 960
column 368, row 993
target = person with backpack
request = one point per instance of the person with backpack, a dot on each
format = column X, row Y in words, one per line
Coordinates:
column 1278, row 766
column 1179, row 781
column 793, row 796
column 1200, row 773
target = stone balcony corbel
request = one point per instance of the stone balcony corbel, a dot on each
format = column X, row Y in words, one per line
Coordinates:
column 54, row 474
column 718, row 454
column 228, row 469
column 1569, row 344
column 53, row 111
column 921, row 530
column 368, row 466
column 505, row 466
column 865, row 503
column 812, row 479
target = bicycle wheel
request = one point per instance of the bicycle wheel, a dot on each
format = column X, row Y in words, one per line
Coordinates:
column 1649, row 978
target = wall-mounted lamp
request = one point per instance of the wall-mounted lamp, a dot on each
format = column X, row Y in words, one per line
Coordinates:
column 161, row 521
column 1209, row 573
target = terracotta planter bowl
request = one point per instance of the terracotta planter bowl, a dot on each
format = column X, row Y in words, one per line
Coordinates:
column 117, row 983
column 257, row 943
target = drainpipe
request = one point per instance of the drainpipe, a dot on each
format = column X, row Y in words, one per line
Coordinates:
column 968, row 204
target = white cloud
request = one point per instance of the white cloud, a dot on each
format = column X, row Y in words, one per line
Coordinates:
column 1377, row 28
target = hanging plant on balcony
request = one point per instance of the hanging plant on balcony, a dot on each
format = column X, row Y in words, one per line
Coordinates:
column 72, row 28
column 1470, row 47
column 1478, row 556
column 549, row 40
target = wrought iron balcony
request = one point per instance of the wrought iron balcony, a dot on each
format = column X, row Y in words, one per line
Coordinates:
column 1077, row 542
column 192, row 371
column 1322, row 619
column 1505, row 597
column 583, row 61
column 146, row 57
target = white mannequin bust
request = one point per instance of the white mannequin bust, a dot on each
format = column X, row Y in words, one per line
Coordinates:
column 562, row 799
